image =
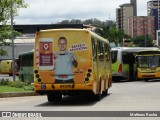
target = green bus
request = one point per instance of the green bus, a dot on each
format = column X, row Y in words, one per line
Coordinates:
column 123, row 62
column 26, row 67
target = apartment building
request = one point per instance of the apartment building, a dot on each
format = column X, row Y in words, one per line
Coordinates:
column 153, row 9
column 123, row 12
column 141, row 25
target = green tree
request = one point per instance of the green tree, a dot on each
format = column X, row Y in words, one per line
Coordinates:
column 5, row 29
column 140, row 41
column 103, row 31
column 112, row 34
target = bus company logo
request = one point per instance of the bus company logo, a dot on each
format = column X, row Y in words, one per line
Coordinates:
column 6, row 114
column 45, row 46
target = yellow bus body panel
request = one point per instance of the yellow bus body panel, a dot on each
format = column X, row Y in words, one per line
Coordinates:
column 147, row 73
column 6, row 67
column 84, row 75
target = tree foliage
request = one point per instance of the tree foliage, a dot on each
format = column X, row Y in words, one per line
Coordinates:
column 111, row 33
column 5, row 29
column 91, row 21
column 140, row 41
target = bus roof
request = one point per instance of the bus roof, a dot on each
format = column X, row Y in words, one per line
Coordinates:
column 6, row 61
column 78, row 30
column 148, row 52
column 29, row 52
column 134, row 49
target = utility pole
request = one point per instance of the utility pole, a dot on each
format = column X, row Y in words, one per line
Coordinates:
column 13, row 60
column 145, row 41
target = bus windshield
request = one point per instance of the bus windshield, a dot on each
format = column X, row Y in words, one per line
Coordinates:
column 148, row 61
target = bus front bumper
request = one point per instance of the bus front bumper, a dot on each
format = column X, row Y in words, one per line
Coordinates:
column 148, row 75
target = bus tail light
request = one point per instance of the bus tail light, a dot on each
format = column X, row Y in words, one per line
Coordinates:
column 120, row 68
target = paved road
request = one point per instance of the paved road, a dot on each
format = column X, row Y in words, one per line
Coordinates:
column 123, row 96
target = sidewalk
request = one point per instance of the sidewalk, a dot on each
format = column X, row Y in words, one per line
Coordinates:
column 18, row 94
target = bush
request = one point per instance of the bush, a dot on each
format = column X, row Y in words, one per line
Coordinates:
column 4, row 81
column 16, row 84
column 29, row 88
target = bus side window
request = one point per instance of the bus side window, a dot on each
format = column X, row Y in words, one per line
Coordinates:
column 21, row 62
column 159, row 61
column 93, row 49
column 107, row 49
column 25, row 60
column 100, row 51
column 114, row 56
column 31, row 60
column 128, row 58
column 18, row 63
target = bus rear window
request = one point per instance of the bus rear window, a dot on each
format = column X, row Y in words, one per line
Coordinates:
column 114, row 56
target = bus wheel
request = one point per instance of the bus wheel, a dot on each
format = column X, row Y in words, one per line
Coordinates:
column 105, row 92
column 116, row 79
column 10, row 74
column 54, row 97
column 97, row 97
column 146, row 80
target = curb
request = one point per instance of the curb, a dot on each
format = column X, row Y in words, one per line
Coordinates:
column 18, row 94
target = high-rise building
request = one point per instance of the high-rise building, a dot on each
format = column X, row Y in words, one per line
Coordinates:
column 141, row 25
column 153, row 9
column 134, row 3
column 122, row 14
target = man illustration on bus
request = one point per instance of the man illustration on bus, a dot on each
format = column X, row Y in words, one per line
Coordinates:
column 64, row 60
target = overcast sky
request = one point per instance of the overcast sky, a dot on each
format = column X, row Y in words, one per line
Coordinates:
column 52, row 11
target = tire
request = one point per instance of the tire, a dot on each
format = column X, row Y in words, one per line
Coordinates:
column 54, row 97
column 116, row 79
column 146, row 80
column 10, row 74
column 97, row 97
column 94, row 97
column 105, row 92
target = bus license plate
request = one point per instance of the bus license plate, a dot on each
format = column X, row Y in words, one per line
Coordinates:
column 65, row 86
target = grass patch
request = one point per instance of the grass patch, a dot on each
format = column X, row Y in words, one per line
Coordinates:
column 12, row 89
column 14, row 86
